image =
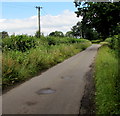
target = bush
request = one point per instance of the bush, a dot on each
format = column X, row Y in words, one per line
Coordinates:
column 20, row 43
column 113, row 42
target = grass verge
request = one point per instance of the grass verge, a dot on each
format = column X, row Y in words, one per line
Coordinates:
column 106, row 77
column 18, row 66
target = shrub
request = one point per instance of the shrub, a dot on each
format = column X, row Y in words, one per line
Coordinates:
column 113, row 42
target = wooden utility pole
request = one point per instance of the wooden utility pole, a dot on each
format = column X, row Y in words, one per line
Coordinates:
column 38, row 7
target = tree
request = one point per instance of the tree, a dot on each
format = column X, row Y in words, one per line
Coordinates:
column 87, row 32
column 4, row 34
column 57, row 33
column 77, row 30
column 103, row 16
column 90, row 34
column 69, row 34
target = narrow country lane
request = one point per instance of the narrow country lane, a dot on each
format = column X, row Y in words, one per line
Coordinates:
column 59, row 90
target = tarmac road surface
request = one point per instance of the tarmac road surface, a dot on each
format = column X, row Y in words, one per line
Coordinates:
column 59, row 90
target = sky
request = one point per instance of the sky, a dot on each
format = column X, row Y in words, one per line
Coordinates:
column 21, row 17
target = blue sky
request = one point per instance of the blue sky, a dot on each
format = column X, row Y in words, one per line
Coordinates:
column 12, row 10
column 21, row 17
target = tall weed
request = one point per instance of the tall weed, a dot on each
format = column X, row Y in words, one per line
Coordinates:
column 24, row 56
column 106, row 72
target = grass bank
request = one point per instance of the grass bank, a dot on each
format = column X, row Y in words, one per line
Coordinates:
column 106, row 77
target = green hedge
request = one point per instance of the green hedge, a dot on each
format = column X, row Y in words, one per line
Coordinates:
column 114, row 42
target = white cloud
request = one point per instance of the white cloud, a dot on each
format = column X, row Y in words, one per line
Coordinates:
column 62, row 22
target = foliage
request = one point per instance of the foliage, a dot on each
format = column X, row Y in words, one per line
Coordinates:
column 57, row 33
column 65, row 40
column 77, row 30
column 69, row 34
column 103, row 43
column 22, row 43
column 38, row 34
column 25, row 56
column 96, row 41
column 114, row 42
column 19, row 42
column 4, row 34
column 104, row 17
column 88, row 33
column 106, row 77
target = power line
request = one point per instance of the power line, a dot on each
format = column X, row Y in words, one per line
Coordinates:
column 45, row 12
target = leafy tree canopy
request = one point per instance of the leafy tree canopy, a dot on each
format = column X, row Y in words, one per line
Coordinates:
column 104, row 17
column 77, row 30
column 57, row 33
column 69, row 34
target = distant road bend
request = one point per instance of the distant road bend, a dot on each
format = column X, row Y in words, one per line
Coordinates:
column 59, row 90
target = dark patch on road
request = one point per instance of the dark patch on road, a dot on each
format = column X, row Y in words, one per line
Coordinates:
column 90, row 66
column 88, row 103
column 45, row 91
column 31, row 103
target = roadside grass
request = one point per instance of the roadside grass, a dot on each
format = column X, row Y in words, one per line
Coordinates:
column 106, row 74
column 104, row 43
column 96, row 41
column 18, row 66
